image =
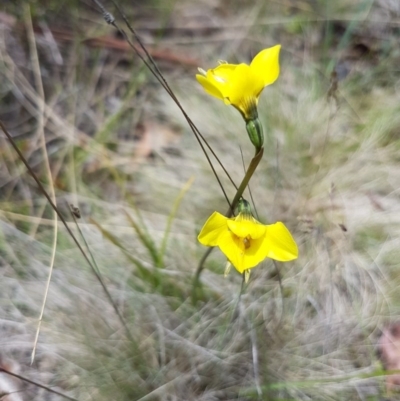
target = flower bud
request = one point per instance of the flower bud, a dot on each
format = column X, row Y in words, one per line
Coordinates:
column 255, row 130
column 243, row 206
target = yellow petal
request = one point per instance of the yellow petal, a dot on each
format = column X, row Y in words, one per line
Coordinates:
column 277, row 243
column 223, row 73
column 255, row 253
column 222, row 77
column 233, row 248
column 217, row 81
column 280, row 243
column 266, row 65
column 212, row 229
column 245, row 87
column 209, row 86
column 246, row 227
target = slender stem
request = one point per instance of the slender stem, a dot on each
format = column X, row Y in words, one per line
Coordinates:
column 249, row 173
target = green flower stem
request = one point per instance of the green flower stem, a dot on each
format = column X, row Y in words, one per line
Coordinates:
column 249, row 173
column 243, row 185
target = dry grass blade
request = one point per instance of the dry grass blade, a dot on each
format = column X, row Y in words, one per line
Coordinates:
column 40, row 131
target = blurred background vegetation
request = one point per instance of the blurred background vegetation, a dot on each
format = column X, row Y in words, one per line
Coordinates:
column 80, row 103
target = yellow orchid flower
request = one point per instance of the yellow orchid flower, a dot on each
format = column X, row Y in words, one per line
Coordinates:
column 240, row 84
column 246, row 242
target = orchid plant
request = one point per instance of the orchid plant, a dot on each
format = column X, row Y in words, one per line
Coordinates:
column 245, row 241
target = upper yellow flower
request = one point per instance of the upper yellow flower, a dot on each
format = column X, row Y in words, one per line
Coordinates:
column 240, row 84
column 246, row 242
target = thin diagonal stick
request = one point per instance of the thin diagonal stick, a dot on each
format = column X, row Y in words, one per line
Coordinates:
column 50, row 390
column 40, row 119
column 61, row 217
column 152, row 66
column 85, row 242
column 192, row 126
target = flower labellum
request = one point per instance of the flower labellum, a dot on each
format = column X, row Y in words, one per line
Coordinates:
column 240, row 84
column 245, row 241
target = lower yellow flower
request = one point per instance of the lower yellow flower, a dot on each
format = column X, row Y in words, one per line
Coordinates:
column 246, row 242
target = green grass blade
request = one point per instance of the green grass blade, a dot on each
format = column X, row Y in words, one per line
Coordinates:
column 146, row 240
column 172, row 215
column 144, row 273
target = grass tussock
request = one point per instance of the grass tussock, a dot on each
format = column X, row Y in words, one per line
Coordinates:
column 120, row 150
